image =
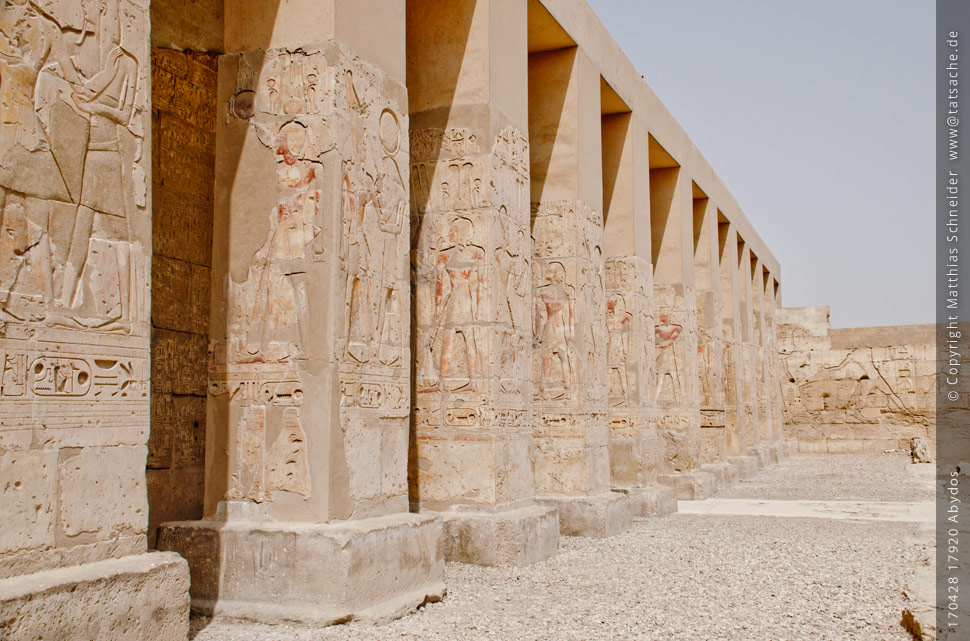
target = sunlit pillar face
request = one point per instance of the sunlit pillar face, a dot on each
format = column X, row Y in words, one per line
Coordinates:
column 471, row 273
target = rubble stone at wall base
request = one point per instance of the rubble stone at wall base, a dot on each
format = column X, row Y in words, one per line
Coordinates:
column 747, row 466
column 727, row 473
column 652, row 500
column 597, row 515
column 695, row 485
column 516, row 537
column 143, row 597
column 276, row 572
column 789, row 448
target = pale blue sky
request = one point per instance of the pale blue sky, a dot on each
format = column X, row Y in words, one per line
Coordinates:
column 818, row 116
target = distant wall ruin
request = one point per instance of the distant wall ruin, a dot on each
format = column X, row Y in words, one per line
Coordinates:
column 866, row 389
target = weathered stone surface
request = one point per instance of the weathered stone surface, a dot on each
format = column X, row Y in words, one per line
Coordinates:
column 855, row 390
column 747, row 466
column 96, row 502
column 678, row 386
column 726, row 472
column 75, row 257
column 515, row 537
column 652, row 500
column 28, row 500
column 570, row 395
column 766, row 455
column 277, row 571
column 473, row 295
column 695, row 485
column 312, row 416
column 596, row 515
column 133, row 598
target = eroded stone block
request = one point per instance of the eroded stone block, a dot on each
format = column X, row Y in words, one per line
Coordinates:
column 133, row 598
column 28, row 499
column 516, row 537
column 274, row 572
column 695, row 485
column 102, row 490
column 596, row 515
column 652, row 500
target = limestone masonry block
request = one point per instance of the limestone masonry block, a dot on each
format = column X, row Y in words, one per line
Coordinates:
column 134, row 598
column 273, row 572
column 516, row 537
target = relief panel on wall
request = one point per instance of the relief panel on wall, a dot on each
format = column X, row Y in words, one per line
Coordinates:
column 74, row 265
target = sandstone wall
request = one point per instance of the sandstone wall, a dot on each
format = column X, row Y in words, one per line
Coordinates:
column 183, row 162
column 855, row 390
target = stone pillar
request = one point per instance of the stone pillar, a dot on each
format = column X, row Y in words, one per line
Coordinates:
column 636, row 452
column 75, row 266
column 773, row 368
column 754, row 387
column 733, row 355
column 572, row 467
column 472, row 451
column 675, row 328
column 710, row 345
column 760, row 341
column 308, row 406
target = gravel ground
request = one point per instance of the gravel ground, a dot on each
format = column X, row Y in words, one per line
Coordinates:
column 684, row 577
column 835, row 477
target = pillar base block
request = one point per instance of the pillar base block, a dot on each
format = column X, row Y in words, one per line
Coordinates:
column 785, row 449
column 652, row 500
column 311, row 573
column 143, row 596
column 695, row 485
column 747, row 466
column 763, row 454
column 727, row 473
column 596, row 515
column 516, row 537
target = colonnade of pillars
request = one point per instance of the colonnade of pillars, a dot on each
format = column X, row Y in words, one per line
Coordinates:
column 591, row 329
column 582, row 335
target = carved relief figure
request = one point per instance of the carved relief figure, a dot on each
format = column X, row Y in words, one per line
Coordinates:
column 619, row 348
column 269, row 325
column 375, row 206
column 554, row 323
column 591, row 294
column 271, row 322
column 288, row 466
column 669, row 387
column 71, row 133
column 458, row 298
column 513, row 309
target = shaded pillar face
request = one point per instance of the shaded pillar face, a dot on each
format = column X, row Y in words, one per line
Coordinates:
column 749, row 350
column 308, row 395
column 758, row 340
column 471, row 256
column 732, row 358
column 74, row 283
column 635, row 450
column 675, row 318
column 569, row 317
column 710, row 346
column 773, row 359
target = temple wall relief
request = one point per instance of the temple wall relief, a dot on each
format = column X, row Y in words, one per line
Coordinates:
column 310, row 350
column 74, row 281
